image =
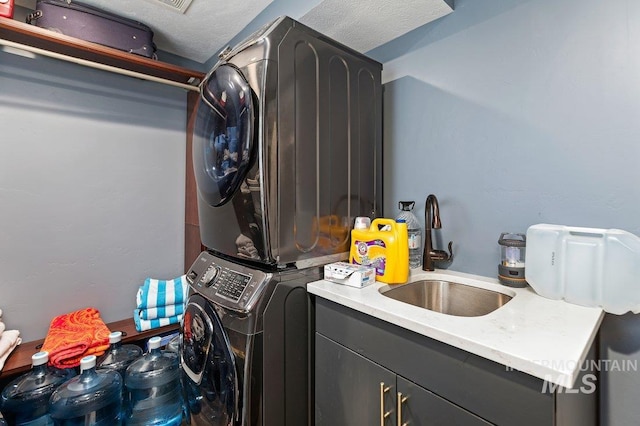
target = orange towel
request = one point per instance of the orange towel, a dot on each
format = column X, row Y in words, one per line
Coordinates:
column 75, row 335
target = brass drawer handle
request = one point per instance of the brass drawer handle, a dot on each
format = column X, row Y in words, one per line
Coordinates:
column 400, row 400
column 383, row 415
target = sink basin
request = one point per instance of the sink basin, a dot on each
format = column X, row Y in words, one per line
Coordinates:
column 449, row 297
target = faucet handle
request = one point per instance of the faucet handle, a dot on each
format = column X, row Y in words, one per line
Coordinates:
column 441, row 259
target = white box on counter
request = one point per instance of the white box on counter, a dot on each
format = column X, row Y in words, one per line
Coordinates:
column 348, row 274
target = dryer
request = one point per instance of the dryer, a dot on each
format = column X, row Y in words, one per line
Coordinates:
column 287, row 147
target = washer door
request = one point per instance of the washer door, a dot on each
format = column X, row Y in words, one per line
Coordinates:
column 207, row 360
column 223, row 140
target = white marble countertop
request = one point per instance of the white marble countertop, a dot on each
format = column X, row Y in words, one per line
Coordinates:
column 546, row 338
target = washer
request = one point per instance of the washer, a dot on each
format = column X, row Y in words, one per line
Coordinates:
column 245, row 344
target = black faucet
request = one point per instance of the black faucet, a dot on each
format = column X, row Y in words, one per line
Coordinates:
column 430, row 256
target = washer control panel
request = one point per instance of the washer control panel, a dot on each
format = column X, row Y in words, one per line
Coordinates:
column 228, row 284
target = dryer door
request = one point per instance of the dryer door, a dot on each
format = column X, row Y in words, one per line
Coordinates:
column 223, row 137
column 211, row 381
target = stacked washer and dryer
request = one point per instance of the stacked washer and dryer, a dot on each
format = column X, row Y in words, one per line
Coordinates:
column 287, row 148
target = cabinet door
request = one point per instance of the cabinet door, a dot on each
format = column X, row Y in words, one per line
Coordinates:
column 416, row 406
column 349, row 389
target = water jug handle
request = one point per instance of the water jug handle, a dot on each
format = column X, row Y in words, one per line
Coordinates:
column 586, row 232
column 380, row 223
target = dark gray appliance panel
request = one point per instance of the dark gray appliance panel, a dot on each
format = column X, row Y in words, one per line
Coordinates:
column 329, row 127
column 317, row 165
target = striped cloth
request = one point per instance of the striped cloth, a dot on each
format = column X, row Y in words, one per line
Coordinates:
column 160, row 293
column 144, row 325
column 160, row 303
column 160, row 311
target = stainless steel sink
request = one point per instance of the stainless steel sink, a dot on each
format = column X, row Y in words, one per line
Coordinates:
column 449, row 297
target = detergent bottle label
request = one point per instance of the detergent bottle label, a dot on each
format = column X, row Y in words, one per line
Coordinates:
column 371, row 253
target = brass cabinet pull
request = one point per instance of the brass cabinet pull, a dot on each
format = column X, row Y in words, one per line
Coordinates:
column 383, row 415
column 400, row 400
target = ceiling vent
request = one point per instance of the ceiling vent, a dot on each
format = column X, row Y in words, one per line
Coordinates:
column 179, row 6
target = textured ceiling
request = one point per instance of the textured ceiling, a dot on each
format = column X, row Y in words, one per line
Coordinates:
column 199, row 33
column 367, row 24
column 209, row 25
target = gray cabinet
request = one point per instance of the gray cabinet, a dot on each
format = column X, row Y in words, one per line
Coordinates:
column 417, row 406
column 349, row 388
column 352, row 390
column 424, row 381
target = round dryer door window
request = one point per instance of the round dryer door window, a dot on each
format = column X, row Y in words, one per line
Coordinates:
column 223, row 134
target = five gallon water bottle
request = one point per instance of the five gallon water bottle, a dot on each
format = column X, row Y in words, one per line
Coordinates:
column 118, row 358
column 174, row 344
column 25, row 400
column 154, row 386
column 414, row 230
column 92, row 398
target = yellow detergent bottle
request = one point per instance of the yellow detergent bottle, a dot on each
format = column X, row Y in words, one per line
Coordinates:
column 385, row 246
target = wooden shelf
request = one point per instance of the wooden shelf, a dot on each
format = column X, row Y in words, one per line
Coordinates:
column 20, row 359
column 30, row 35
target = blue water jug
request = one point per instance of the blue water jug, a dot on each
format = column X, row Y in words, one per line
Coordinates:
column 154, row 387
column 174, row 344
column 92, row 398
column 118, row 358
column 25, row 400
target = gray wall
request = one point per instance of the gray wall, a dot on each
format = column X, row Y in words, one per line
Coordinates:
column 521, row 112
column 92, row 170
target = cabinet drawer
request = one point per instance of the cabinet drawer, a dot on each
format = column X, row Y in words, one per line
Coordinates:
column 347, row 388
column 424, row 408
column 351, row 390
column 479, row 385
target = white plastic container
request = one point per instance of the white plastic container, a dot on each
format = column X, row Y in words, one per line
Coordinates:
column 352, row 275
column 585, row 266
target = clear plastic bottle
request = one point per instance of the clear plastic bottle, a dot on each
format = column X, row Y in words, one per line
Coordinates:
column 154, row 386
column 25, row 400
column 174, row 344
column 414, row 229
column 92, row 398
column 118, row 358
column 362, row 222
